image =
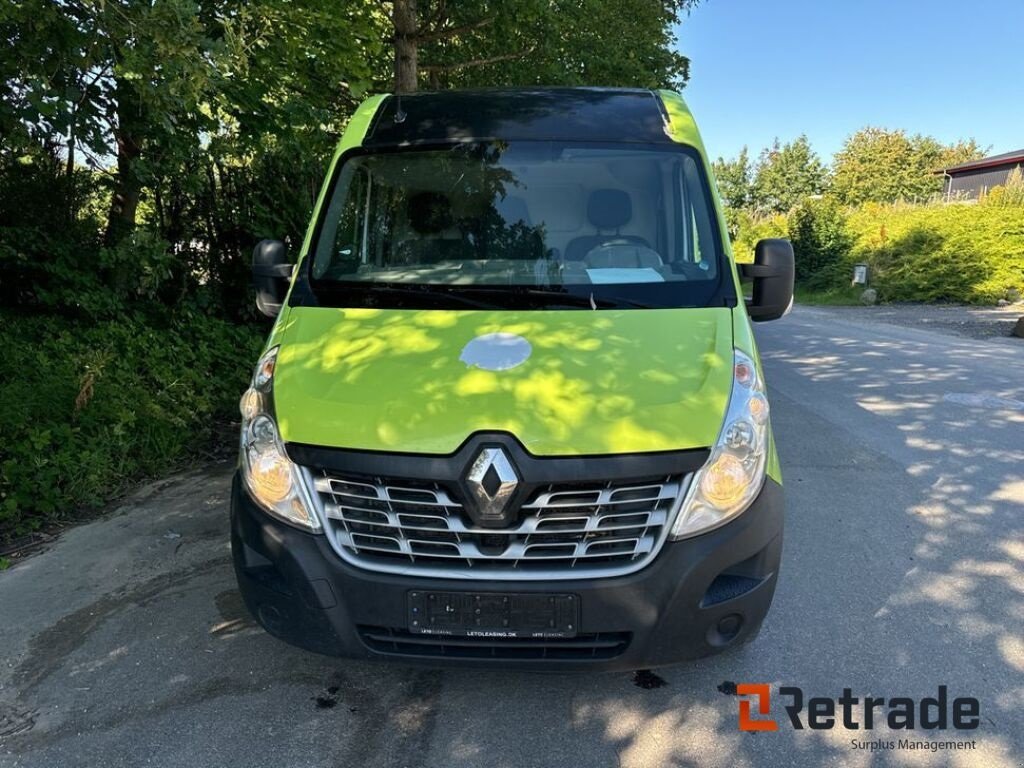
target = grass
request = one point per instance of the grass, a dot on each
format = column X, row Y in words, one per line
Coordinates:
column 832, row 297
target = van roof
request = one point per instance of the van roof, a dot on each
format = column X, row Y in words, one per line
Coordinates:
column 555, row 114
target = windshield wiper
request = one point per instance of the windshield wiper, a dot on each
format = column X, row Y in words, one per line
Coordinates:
column 590, row 300
column 618, row 301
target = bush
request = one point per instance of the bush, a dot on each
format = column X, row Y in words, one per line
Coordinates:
column 936, row 252
column 964, row 253
column 817, row 229
column 90, row 409
column 1009, row 194
column 751, row 228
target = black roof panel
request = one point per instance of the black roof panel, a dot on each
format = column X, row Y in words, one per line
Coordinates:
column 1007, row 158
column 557, row 114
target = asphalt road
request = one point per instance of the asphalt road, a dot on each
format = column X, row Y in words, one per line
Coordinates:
column 126, row 643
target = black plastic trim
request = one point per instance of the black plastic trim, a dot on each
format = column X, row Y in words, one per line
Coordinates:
column 534, row 470
column 554, row 114
column 399, row 642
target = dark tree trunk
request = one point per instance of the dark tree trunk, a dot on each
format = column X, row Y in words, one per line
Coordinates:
column 406, row 43
column 128, row 189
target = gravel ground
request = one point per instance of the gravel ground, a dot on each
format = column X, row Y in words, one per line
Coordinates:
column 971, row 322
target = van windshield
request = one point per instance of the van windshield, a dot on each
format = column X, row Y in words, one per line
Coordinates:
column 525, row 224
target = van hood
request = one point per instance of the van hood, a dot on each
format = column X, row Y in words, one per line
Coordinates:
column 592, row 382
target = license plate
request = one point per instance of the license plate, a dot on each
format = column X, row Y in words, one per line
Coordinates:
column 493, row 614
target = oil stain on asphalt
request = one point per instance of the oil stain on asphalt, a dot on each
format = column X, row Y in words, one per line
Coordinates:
column 644, row 678
column 327, row 700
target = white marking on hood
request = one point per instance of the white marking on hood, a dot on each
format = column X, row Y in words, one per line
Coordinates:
column 496, row 351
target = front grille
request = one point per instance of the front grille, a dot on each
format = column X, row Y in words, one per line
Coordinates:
column 562, row 531
column 603, row 645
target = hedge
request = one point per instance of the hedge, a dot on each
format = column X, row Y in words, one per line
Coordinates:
column 971, row 253
column 963, row 253
column 90, row 408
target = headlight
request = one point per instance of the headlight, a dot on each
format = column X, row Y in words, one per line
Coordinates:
column 734, row 473
column 273, row 480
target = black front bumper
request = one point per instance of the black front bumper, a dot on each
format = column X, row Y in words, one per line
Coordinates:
column 697, row 597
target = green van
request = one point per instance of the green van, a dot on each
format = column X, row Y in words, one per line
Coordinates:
column 511, row 411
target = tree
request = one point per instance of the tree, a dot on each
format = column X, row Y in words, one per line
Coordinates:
column 144, row 82
column 735, row 185
column 735, row 180
column 880, row 165
column 189, row 129
column 543, row 42
column 786, row 174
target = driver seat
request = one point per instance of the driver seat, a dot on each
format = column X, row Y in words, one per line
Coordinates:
column 608, row 210
column 437, row 237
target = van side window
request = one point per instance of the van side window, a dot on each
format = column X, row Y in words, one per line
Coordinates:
column 695, row 248
column 342, row 244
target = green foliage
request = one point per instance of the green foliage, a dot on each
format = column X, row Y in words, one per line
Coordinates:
column 75, row 62
column 817, row 229
column 969, row 253
column 786, row 175
column 1010, row 194
column 52, row 258
column 915, row 252
column 734, row 178
column 879, row 165
column 89, row 409
column 206, row 125
column 541, row 42
column 751, row 228
column 936, row 252
column 874, row 165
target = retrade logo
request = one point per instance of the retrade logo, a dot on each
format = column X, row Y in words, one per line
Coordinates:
column 937, row 712
column 762, row 696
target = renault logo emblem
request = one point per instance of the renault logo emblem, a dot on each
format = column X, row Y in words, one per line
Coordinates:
column 491, row 481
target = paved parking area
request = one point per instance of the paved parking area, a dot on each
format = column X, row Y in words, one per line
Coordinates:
column 126, row 643
column 969, row 321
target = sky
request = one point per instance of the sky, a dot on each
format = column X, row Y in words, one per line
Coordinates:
column 766, row 68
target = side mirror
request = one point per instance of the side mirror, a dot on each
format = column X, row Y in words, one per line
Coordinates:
column 271, row 273
column 772, row 272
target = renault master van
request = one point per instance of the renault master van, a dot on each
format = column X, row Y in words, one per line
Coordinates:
column 511, row 410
